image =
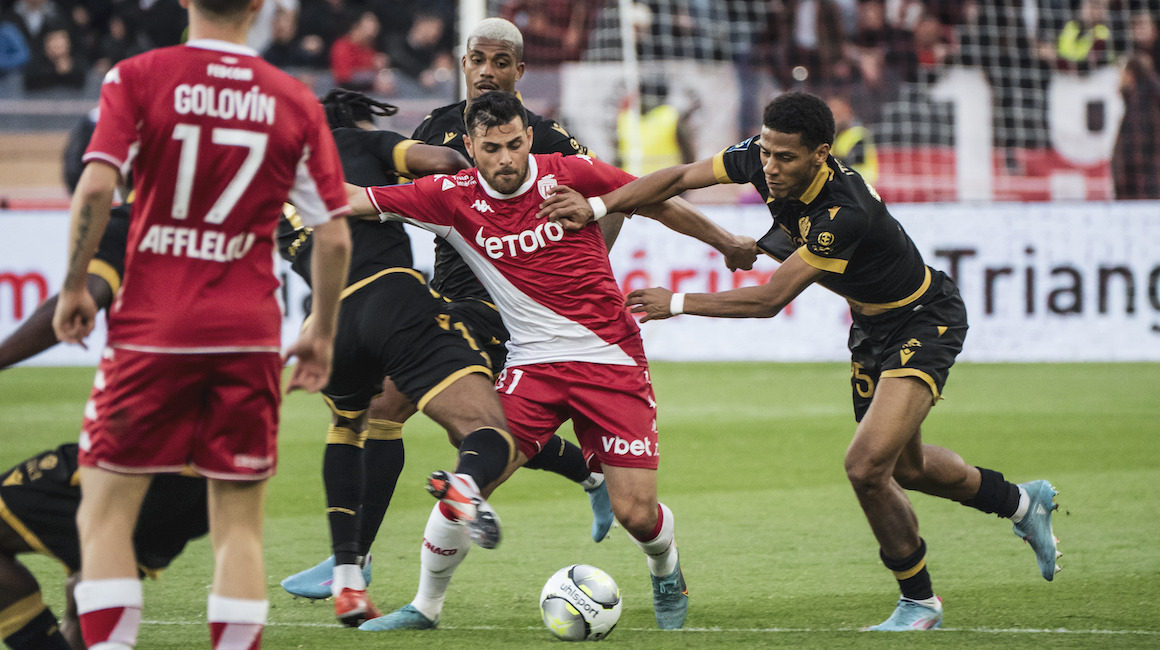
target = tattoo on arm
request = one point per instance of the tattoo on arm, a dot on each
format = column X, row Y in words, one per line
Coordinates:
column 72, row 279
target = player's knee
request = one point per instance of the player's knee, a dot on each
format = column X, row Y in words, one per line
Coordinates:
column 637, row 516
column 865, row 473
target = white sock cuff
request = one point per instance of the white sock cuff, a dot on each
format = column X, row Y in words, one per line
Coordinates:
column 347, row 576
column 1024, row 504
column 95, row 595
column 221, row 609
column 468, row 480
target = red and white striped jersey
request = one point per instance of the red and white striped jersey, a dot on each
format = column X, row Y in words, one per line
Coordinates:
column 216, row 140
column 554, row 289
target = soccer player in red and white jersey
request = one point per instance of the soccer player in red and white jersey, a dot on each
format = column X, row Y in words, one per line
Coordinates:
column 216, row 140
column 574, row 353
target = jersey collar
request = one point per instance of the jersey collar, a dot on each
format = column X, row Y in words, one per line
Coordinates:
column 824, row 174
column 533, row 173
column 222, row 46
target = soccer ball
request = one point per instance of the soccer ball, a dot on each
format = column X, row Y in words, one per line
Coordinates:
column 580, row 603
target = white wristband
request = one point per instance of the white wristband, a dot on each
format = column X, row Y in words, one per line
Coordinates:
column 598, row 207
column 677, row 304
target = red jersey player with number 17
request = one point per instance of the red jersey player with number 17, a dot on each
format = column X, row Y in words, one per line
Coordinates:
column 216, row 140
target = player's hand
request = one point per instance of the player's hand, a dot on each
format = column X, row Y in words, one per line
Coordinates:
column 741, row 254
column 312, row 372
column 75, row 316
column 653, row 303
column 566, row 207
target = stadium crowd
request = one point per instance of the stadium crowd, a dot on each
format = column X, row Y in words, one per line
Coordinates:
column 406, row 47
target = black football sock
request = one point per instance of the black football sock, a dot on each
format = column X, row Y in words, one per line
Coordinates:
column 28, row 623
column 911, row 574
column 485, row 454
column 995, row 494
column 342, row 477
column 383, row 463
column 561, row 457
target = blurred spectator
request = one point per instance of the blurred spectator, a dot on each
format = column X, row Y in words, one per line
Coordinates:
column 1144, row 36
column 322, row 22
column 853, row 143
column 665, row 136
column 163, row 22
column 262, row 31
column 931, row 50
column 419, row 52
column 553, row 31
column 35, row 18
column 355, row 63
column 14, row 51
column 1084, row 43
column 878, row 46
column 286, row 50
column 1136, row 154
column 55, row 65
column 119, row 42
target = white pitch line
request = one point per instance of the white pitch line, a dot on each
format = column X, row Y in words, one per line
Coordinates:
column 750, row 630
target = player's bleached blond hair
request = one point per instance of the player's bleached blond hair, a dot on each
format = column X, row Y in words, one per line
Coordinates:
column 498, row 29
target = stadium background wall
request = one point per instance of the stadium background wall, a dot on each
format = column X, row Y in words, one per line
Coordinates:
column 1042, row 282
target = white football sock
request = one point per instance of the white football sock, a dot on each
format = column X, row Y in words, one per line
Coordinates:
column 1024, row 504
column 347, row 576
column 445, row 544
column 662, row 549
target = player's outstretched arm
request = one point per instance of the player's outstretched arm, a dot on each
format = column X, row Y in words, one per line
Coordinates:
column 680, row 216
column 427, row 159
column 574, row 213
column 765, row 301
column 75, row 308
column 35, row 334
column 360, row 203
column 329, row 262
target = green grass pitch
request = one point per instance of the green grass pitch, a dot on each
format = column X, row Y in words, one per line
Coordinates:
column 774, row 547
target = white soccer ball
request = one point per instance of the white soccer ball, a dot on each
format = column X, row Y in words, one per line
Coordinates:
column 580, row 603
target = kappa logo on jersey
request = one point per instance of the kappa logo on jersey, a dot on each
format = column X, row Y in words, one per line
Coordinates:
column 586, row 158
column 482, row 207
column 113, row 76
column 528, row 241
column 546, row 184
column 449, row 136
column 621, row 447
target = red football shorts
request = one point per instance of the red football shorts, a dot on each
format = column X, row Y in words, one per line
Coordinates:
column 612, row 408
column 157, row 412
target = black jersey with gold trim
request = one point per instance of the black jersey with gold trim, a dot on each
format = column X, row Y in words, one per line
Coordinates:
column 369, row 158
column 840, row 225
column 445, row 127
column 39, row 499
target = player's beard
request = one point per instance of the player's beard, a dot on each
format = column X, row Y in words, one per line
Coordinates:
column 506, row 180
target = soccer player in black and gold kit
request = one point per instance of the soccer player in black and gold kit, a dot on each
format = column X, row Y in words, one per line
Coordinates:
column 38, row 511
column 390, row 324
column 831, row 228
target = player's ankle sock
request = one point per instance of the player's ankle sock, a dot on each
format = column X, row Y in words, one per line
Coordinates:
column 995, row 494
column 561, row 457
column 661, row 547
column 594, row 480
column 1021, row 509
column 382, row 464
column 28, row 623
column 485, row 454
column 342, row 478
column 911, row 574
column 445, row 544
column 236, row 623
column 347, row 576
column 110, row 612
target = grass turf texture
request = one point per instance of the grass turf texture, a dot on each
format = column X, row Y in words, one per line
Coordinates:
column 774, row 547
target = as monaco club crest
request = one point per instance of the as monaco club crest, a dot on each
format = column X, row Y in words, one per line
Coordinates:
column 546, row 184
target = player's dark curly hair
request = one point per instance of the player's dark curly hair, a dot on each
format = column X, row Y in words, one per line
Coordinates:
column 801, row 113
column 494, row 108
column 346, row 108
